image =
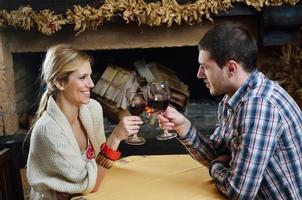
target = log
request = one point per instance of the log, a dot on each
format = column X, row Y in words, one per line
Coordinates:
column 110, row 90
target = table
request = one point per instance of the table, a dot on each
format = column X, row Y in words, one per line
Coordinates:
column 161, row 177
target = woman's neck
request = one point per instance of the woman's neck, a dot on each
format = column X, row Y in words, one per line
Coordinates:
column 70, row 111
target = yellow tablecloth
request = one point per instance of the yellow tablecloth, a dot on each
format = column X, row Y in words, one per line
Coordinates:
column 163, row 177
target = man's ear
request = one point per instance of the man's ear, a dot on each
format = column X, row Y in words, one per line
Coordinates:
column 232, row 67
column 60, row 84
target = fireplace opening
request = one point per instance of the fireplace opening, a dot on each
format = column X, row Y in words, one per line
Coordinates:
column 201, row 106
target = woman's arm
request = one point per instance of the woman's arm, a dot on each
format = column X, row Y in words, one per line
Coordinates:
column 127, row 126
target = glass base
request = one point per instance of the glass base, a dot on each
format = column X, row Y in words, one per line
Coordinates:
column 166, row 136
column 135, row 140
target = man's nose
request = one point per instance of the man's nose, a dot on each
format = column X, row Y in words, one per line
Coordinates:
column 200, row 73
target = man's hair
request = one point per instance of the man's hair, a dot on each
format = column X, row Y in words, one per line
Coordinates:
column 230, row 41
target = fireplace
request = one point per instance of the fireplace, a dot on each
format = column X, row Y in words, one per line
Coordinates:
column 182, row 60
column 22, row 54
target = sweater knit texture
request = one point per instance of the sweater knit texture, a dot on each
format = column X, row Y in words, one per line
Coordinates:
column 55, row 161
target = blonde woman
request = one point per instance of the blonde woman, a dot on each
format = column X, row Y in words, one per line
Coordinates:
column 69, row 153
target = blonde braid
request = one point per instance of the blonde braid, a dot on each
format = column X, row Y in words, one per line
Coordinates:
column 38, row 114
column 41, row 108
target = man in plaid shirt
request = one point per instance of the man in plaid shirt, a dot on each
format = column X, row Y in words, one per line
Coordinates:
column 255, row 151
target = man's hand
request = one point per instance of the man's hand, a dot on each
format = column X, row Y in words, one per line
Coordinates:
column 171, row 119
column 224, row 159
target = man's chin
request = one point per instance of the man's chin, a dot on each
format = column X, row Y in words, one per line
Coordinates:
column 214, row 93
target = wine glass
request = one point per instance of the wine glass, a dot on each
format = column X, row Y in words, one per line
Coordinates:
column 136, row 106
column 158, row 94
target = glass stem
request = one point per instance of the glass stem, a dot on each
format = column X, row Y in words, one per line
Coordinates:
column 166, row 132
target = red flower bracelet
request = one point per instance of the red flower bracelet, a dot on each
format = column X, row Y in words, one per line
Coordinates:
column 110, row 153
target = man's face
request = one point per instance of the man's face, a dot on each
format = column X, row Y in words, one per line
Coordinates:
column 213, row 76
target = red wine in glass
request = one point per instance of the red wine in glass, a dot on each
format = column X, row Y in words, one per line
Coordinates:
column 136, row 106
column 158, row 94
column 158, row 105
column 136, row 109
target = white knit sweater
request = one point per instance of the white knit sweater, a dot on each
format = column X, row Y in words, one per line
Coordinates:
column 55, row 161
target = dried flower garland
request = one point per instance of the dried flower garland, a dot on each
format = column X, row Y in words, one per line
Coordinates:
column 48, row 22
column 21, row 17
column 164, row 12
column 88, row 18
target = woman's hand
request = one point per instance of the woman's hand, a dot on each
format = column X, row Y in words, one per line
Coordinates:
column 127, row 126
column 171, row 119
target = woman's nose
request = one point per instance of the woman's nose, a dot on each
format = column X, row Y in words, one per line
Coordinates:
column 200, row 73
column 90, row 82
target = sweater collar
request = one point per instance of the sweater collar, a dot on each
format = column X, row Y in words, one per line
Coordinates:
column 58, row 116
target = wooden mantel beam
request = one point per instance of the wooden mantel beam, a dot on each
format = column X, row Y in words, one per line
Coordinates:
column 116, row 36
column 111, row 36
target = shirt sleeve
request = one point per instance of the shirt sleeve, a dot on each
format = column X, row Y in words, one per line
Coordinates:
column 200, row 146
column 256, row 129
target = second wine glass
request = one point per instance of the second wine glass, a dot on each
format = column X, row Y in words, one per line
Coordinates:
column 158, row 94
column 136, row 106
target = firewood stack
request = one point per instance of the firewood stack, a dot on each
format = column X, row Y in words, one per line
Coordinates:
column 111, row 87
column 110, row 90
column 154, row 72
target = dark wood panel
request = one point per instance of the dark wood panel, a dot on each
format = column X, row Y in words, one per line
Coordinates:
column 239, row 9
column 276, row 37
column 282, row 16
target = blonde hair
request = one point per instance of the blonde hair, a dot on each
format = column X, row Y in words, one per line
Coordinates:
column 60, row 61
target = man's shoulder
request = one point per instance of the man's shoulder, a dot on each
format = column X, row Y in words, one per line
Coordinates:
column 262, row 87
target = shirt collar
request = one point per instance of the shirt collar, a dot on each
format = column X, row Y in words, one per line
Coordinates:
column 243, row 89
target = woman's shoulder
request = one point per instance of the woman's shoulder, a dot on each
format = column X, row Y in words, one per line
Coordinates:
column 44, row 124
column 94, row 105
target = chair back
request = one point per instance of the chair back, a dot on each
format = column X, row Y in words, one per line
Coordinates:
column 5, row 177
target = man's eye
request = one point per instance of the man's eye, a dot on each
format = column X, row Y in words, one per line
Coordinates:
column 82, row 77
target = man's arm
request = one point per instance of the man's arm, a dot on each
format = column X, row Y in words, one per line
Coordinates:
column 202, row 148
column 257, row 126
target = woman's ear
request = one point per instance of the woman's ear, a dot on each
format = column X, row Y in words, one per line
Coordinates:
column 59, row 84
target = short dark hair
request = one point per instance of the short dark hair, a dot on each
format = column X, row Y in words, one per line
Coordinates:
column 230, row 41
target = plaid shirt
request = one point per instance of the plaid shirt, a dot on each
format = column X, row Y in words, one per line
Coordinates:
column 260, row 126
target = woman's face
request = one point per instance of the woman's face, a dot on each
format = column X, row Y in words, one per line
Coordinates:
column 76, row 90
